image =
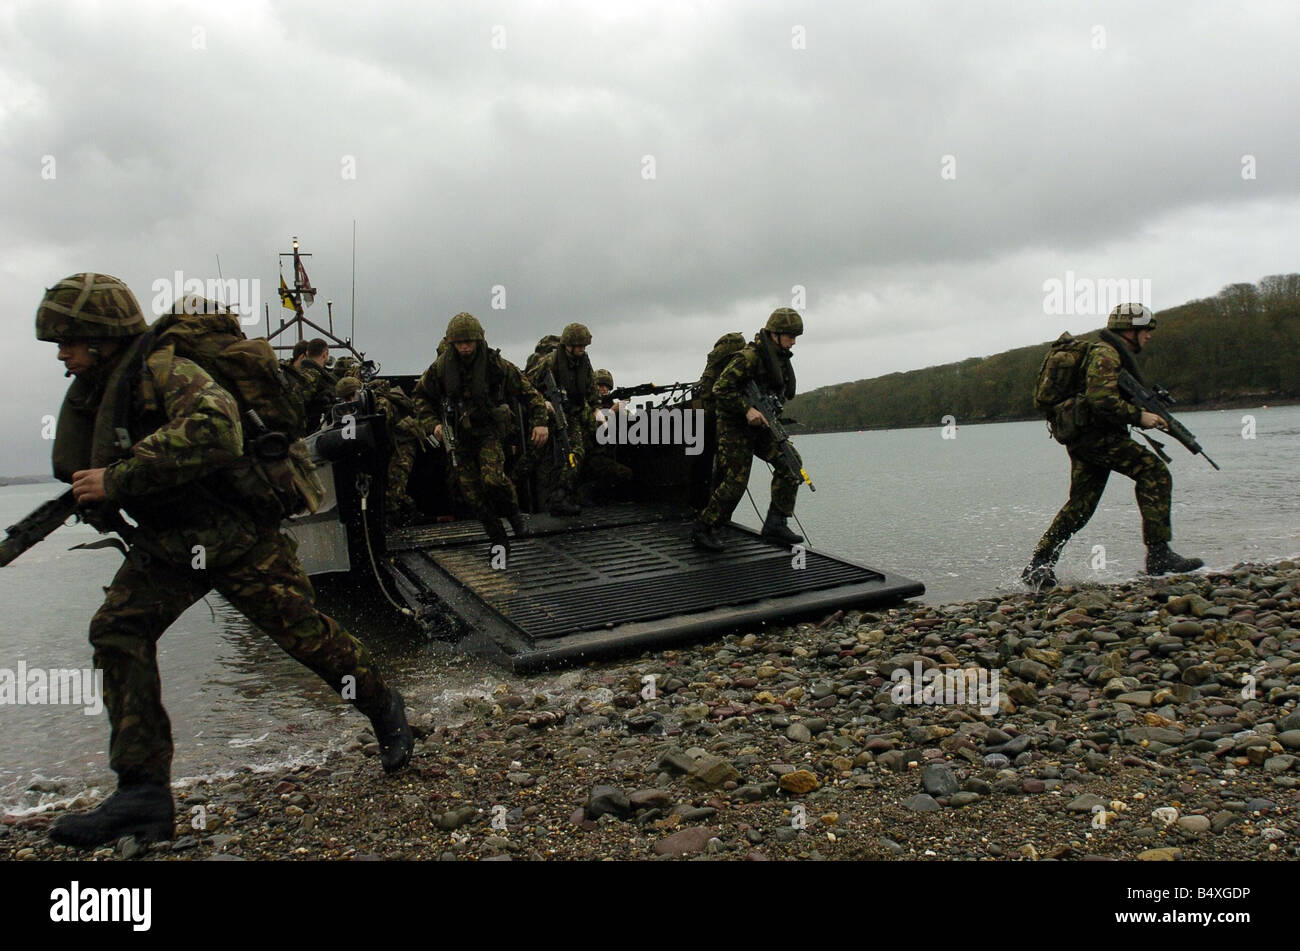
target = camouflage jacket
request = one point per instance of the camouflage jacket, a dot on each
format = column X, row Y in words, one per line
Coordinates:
column 1109, row 414
column 316, row 387
column 505, row 383
column 729, row 390
column 579, row 408
column 177, row 479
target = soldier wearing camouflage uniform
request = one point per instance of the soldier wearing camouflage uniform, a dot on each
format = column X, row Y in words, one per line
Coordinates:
column 602, row 475
column 573, row 373
column 404, row 436
column 743, row 432
column 159, row 448
column 1103, row 446
column 483, row 387
column 316, row 383
column 346, row 366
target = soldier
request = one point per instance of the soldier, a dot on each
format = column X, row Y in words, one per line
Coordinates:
column 346, row 366
column 483, row 387
column 604, row 386
column 404, row 436
column 298, row 380
column 1104, row 446
column 603, row 475
column 317, row 391
column 743, row 433
column 160, row 448
column 571, row 368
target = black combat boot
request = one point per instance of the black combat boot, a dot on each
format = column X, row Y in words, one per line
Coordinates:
column 774, row 527
column 1040, row 573
column 1161, row 560
column 393, row 732
column 706, row 537
column 563, row 505
column 517, row 523
column 144, row 810
column 496, row 535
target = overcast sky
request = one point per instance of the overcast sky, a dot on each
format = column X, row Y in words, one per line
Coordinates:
column 663, row 172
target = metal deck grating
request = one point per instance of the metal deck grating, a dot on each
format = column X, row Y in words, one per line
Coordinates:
column 596, row 578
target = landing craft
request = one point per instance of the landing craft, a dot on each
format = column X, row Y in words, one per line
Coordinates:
column 621, row 577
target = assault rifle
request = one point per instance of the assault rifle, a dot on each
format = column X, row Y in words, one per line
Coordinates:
column 36, row 526
column 771, row 408
column 643, row 389
column 106, row 518
column 552, row 393
column 1157, row 400
column 449, row 430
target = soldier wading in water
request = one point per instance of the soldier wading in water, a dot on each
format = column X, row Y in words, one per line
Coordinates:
column 1102, row 445
column 743, row 431
column 146, row 432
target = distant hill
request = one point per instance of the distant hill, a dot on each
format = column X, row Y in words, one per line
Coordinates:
column 1241, row 346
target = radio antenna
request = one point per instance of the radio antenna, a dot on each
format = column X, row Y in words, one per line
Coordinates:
column 352, row 313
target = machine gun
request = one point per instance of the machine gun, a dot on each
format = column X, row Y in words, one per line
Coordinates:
column 771, row 407
column 449, row 430
column 644, row 389
column 552, row 393
column 1157, row 400
column 45, row 519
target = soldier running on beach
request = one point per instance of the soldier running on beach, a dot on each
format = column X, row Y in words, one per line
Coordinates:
column 1102, row 445
column 149, row 433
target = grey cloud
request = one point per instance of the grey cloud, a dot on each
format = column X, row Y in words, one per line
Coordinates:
column 522, row 167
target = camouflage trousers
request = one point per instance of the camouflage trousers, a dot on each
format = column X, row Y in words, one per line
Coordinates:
column 555, row 477
column 737, row 446
column 482, row 478
column 1091, row 463
column 268, row 586
column 400, row 465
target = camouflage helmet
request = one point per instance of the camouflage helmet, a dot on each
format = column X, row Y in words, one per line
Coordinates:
column 1131, row 317
column 192, row 304
column 88, row 306
column 345, row 366
column 347, row 387
column 785, row 320
column 464, row 327
column 575, row 335
column 604, row 378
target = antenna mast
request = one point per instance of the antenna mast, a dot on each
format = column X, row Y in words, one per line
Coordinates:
column 299, row 297
column 352, row 312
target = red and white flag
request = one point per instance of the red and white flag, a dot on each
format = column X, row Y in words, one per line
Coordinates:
column 305, row 283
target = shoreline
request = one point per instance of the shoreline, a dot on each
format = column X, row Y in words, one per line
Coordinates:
column 1179, row 410
column 1153, row 719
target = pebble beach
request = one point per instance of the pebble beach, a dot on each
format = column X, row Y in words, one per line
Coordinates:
column 1154, row 720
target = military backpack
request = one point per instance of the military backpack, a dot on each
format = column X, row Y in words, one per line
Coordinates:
column 276, row 468
column 1058, row 393
column 726, row 347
